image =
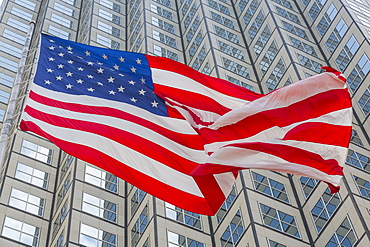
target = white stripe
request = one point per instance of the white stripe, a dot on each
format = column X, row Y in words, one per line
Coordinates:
column 249, row 159
column 341, row 117
column 225, row 181
column 123, row 154
column 161, row 77
column 282, row 97
column 177, row 125
column 197, row 156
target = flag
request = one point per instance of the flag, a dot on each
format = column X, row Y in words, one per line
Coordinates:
column 180, row 135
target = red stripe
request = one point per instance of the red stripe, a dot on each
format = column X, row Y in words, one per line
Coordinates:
column 309, row 108
column 146, row 147
column 219, row 85
column 291, row 154
column 190, row 99
column 321, row 133
column 191, row 141
column 150, row 185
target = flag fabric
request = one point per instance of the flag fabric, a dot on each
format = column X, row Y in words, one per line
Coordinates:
column 180, row 135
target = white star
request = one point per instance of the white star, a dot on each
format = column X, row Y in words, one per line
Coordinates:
column 70, row 62
column 132, row 82
column 87, row 53
column 70, row 52
column 69, row 86
column 79, row 81
column 80, row 69
column 52, row 41
column 69, row 48
column 142, row 92
column 59, row 78
column 61, row 47
column 91, row 89
column 133, row 99
column 90, row 76
column 112, row 92
column 100, row 71
column 105, row 57
column 122, row 59
column 111, row 79
column 120, row 89
column 52, row 47
column 69, row 73
column 61, row 54
column 51, row 59
column 138, row 61
column 90, row 63
column 154, row 104
column 100, row 84
column 142, row 80
column 47, row 82
column 115, row 66
column 133, row 70
column 121, row 75
column 99, row 63
column 49, row 70
column 60, row 66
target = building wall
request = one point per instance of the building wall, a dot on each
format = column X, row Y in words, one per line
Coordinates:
column 48, row 198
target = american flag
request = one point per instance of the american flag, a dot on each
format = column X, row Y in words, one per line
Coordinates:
column 176, row 133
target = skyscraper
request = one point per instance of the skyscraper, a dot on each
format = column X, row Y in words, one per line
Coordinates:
column 48, row 198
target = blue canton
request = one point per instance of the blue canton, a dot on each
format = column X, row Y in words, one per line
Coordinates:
column 79, row 69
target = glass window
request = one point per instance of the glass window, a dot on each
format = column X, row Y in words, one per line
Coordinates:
column 364, row 102
column 314, row 11
column 295, row 30
column 222, row 20
column 358, row 160
column 61, row 20
column 183, row 216
column 94, row 237
column 226, row 205
column 226, row 34
column 10, row 49
column 17, row 24
column 32, row 175
column 136, row 199
column 355, row 138
column 109, row 16
column 343, row 236
column 2, row 113
column 233, row 232
column 4, row 96
column 219, row 7
column 36, row 151
column 177, row 240
column 256, row 25
column 20, row 231
column 109, row 29
column 104, row 41
column 64, row 9
column 139, row 227
column 308, row 63
column 111, row 5
column 64, row 189
column 101, row 178
column 236, row 68
column 324, row 209
column 59, row 32
column 363, row 186
column 230, row 50
column 59, row 242
column 9, row 64
column 279, row 220
column 286, row 14
column 27, row 4
column 21, row 13
column 59, row 219
column 162, row 12
column 27, row 202
column 240, row 83
column 14, row 37
column 99, row 207
column 163, row 25
column 270, row 187
column 276, row 75
column 358, row 73
column 303, row 46
column 308, row 184
column 274, row 244
column 160, row 51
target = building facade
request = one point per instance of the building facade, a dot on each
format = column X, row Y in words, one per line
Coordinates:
column 48, row 198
